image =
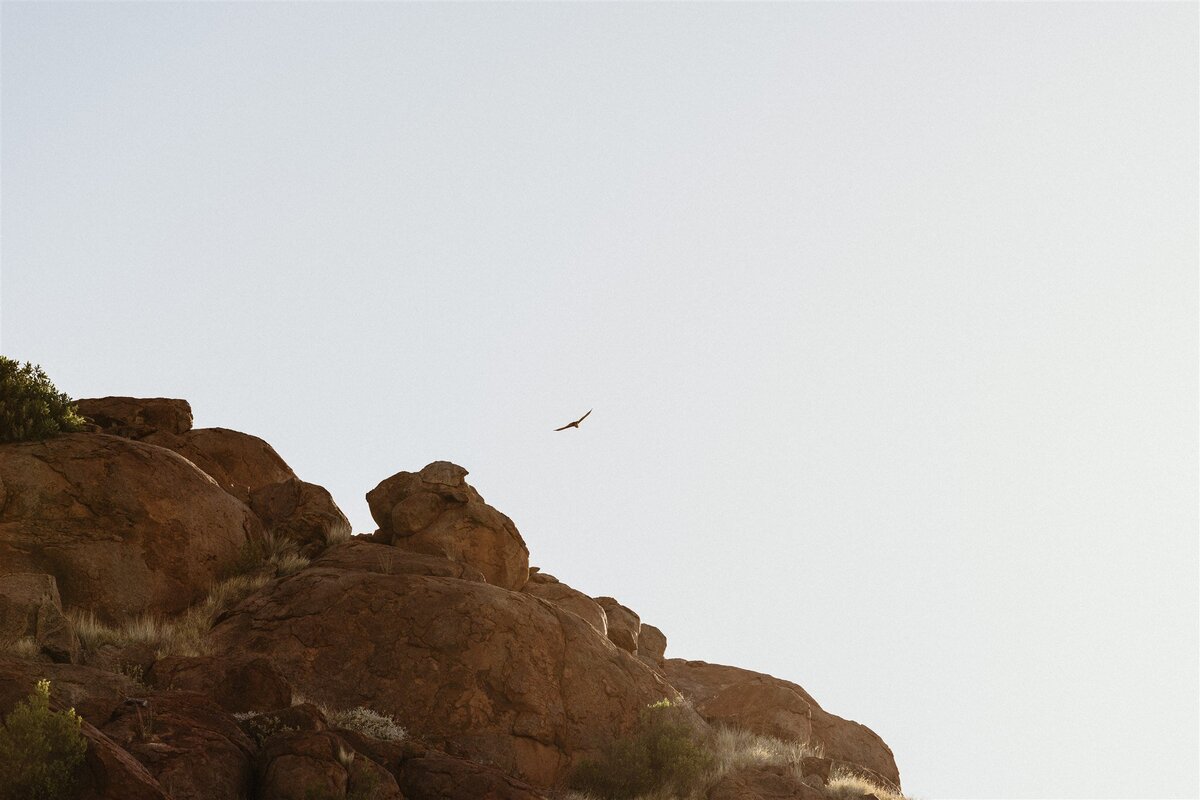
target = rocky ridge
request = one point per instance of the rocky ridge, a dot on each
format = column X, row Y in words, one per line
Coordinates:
column 309, row 647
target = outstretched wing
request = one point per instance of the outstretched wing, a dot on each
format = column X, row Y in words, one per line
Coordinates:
column 585, row 416
column 564, row 427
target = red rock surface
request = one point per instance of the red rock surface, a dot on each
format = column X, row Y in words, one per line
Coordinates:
column 552, row 590
column 624, row 625
column 30, row 608
column 238, row 462
column 436, row 510
column 774, row 707
column 300, row 512
column 508, row 679
column 236, row 683
column 193, row 748
column 126, row 528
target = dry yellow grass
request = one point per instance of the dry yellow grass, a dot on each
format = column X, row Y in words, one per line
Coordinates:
column 846, row 785
column 25, row 647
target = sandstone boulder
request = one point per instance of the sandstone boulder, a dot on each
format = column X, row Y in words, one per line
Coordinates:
column 302, row 765
column 238, row 462
column 301, row 512
column 436, row 510
column 623, row 624
column 125, row 528
column 509, row 679
column 773, row 707
column 551, row 589
column 236, row 683
column 112, row 773
column 652, row 644
column 137, row 417
column 30, row 608
column 193, row 749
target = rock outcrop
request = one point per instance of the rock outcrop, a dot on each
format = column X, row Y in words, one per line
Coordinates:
column 774, row 707
column 300, row 512
column 507, row 679
column 31, row 609
column 549, row 588
column 137, row 417
column 125, row 528
column 437, row 511
column 624, row 624
column 238, row 462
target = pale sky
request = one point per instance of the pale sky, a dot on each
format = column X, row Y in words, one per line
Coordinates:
column 888, row 314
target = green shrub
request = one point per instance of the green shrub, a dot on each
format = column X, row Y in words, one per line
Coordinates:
column 40, row 750
column 662, row 753
column 30, row 406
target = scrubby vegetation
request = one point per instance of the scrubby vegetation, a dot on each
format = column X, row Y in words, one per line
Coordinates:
column 184, row 635
column 663, row 754
column 846, row 784
column 622, row 773
column 179, row 636
column 30, row 406
column 40, row 750
column 366, row 721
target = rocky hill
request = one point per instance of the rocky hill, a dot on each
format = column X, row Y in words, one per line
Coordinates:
column 223, row 636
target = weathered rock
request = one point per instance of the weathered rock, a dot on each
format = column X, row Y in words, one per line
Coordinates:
column 137, row 417
column 436, row 509
column 238, row 462
column 94, row 694
column 112, row 773
column 652, row 643
column 109, row 773
column 30, row 608
column 509, row 679
column 623, row 624
column 301, row 765
column 362, row 555
column 236, row 683
column 126, row 528
column 193, row 749
column 551, row 589
column 762, row 783
column 443, row 777
column 301, row 512
column 773, row 707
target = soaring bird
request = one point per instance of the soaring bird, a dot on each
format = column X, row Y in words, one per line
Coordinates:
column 574, row 424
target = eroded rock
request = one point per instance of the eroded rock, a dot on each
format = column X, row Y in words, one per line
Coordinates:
column 436, row 510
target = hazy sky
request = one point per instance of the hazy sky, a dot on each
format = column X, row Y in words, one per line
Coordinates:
column 888, row 314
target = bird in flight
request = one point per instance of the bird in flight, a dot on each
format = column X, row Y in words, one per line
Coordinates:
column 574, row 424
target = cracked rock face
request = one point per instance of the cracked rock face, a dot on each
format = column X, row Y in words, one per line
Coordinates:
column 437, row 511
column 506, row 678
column 125, row 528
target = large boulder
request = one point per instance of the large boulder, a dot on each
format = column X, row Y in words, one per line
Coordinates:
column 508, row 679
column 652, row 644
column 436, row 510
column 136, row 417
column 770, row 706
column 31, row 609
column 624, row 625
column 549, row 588
column 192, row 747
column 126, row 528
column 238, row 462
column 302, row 765
column 300, row 512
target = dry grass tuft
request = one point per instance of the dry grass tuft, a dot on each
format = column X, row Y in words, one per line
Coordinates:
column 25, row 647
column 366, row 721
column 735, row 748
column 186, row 634
column 845, row 784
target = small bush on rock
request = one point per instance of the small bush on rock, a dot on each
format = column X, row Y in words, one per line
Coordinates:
column 368, row 723
column 662, row 753
column 30, row 406
column 40, row 750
